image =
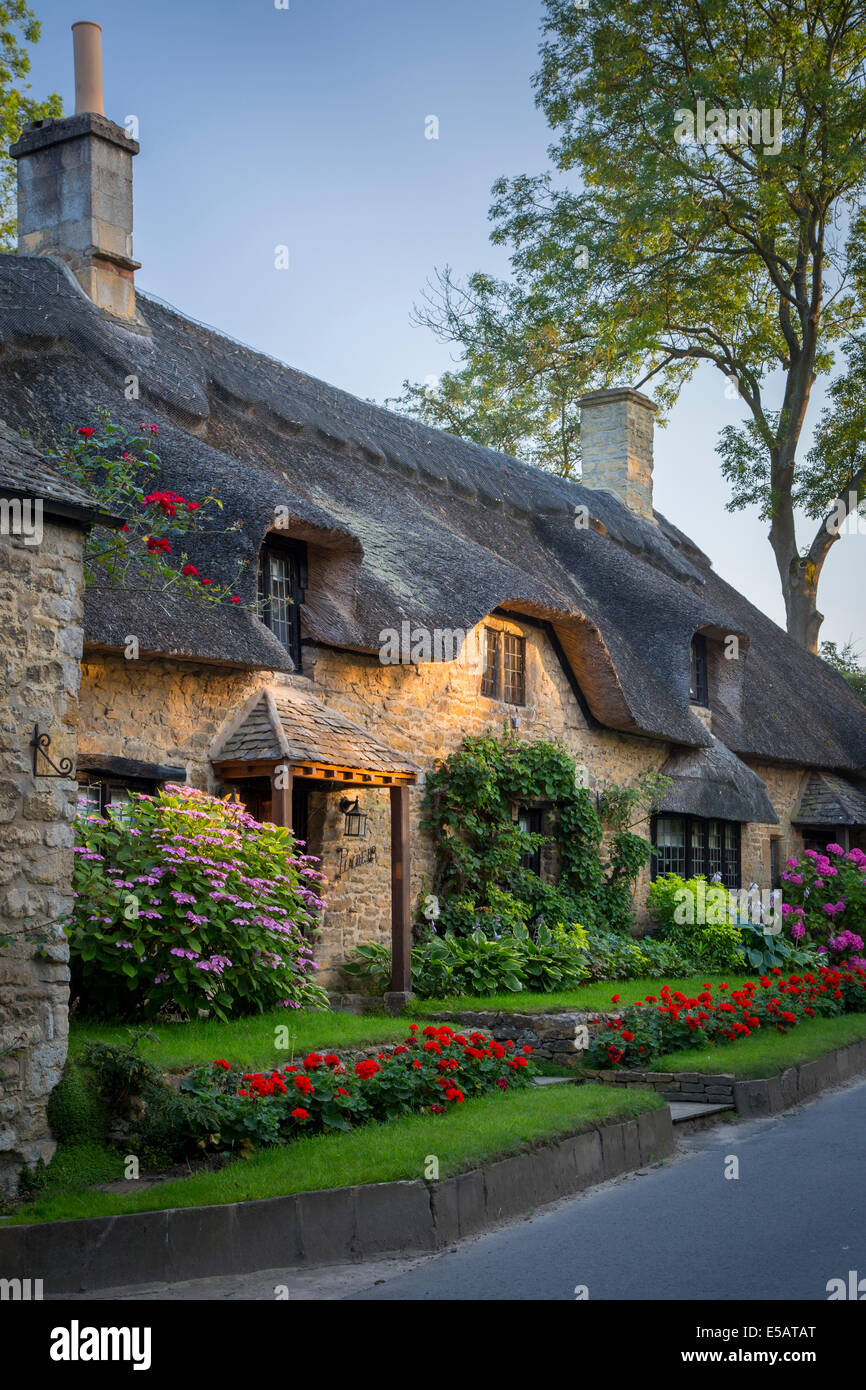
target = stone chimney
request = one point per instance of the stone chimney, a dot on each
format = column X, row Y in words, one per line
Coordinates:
column 616, row 441
column 75, row 188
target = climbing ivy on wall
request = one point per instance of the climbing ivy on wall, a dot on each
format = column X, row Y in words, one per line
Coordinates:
column 481, row 849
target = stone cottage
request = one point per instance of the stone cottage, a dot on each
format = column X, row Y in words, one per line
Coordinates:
column 402, row 588
column 43, row 517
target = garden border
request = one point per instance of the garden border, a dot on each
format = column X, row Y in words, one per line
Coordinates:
column 333, row 1226
column 749, row 1096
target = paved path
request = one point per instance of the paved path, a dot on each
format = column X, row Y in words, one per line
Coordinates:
column 792, row 1220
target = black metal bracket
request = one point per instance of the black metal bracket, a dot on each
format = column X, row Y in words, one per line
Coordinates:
column 40, row 743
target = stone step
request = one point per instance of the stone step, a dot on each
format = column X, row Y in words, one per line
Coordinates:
column 682, row 1110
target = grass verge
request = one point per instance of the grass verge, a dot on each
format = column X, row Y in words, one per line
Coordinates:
column 764, row 1054
column 477, row 1132
column 596, row 995
column 245, row 1042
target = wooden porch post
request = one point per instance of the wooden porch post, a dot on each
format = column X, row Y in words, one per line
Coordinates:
column 401, row 948
column 281, row 796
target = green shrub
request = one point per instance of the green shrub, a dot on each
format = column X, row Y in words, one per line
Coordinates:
column 75, row 1113
column 714, row 943
column 161, row 1123
column 189, row 903
column 478, row 964
column 612, row 956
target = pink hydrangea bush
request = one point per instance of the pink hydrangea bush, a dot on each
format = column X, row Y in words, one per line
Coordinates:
column 825, row 899
column 185, row 902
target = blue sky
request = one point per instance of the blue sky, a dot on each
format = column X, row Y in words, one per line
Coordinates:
column 305, row 127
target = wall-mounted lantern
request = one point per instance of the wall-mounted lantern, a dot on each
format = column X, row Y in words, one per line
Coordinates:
column 356, row 821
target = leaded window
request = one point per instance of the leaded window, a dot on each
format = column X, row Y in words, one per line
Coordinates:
column 695, row 847
column 282, row 582
column 699, row 690
column 504, row 675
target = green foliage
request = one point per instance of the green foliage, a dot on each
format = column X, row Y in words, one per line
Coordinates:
column 714, row 944
column 765, row 951
column 847, row 662
column 613, row 956
column 188, row 903
column 18, row 27
column 75, row 1114
column 477, row 964
column 481, row 848
column 644, row 253
column 515, row 389
column 120, row 470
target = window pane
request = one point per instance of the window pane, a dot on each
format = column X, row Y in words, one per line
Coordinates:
column 514, row 691
column 281, row 593
column 489, row 680
column 731, row 870
column 714, row 847
column 670, row 850
column 698, row 684
column 697, row 840
column 89, row 803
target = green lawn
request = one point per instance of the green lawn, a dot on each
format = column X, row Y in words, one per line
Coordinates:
column 247, row 1042
column 596, row 995
column 477, row 1132
column 765, row 1053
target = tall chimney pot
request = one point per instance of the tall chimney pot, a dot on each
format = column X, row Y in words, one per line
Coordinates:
column 87, row 48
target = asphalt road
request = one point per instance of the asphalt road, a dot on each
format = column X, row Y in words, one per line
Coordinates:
column 792, row 1220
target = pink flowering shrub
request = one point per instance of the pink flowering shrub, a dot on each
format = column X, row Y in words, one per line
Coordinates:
column 825, row 899
column 188, row 903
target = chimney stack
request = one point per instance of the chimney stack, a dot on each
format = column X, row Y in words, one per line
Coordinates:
column 616, row 444
column 75, row 189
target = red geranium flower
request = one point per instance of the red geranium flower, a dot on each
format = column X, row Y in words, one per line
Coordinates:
column 190, row 569
column 300, row 1114
column 86, row 431
column 222, row 1063
column 367, row 1068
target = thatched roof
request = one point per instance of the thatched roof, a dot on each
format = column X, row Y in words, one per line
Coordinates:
column 828, row 800
column 24, row 473
column 712, row 782
column 405, row 523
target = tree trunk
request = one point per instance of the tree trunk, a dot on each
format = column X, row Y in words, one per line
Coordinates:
column 800, row 589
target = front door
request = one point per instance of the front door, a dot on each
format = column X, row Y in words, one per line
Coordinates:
column 255, row 795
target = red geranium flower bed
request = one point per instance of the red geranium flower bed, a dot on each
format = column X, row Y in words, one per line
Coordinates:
column 671, row 1022
column 435, row 1068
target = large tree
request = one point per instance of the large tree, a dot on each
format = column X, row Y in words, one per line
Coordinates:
column 704, row 206
column 18, row 28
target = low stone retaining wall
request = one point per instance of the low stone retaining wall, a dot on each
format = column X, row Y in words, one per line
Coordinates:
column 337, row 1226
column 762, row 1096
column 556, row 1036
column 712, row 1089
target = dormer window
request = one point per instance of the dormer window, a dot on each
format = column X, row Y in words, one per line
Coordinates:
column 699, row 691
column 282, row 582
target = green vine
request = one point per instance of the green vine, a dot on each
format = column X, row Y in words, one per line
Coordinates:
column 481, row 850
